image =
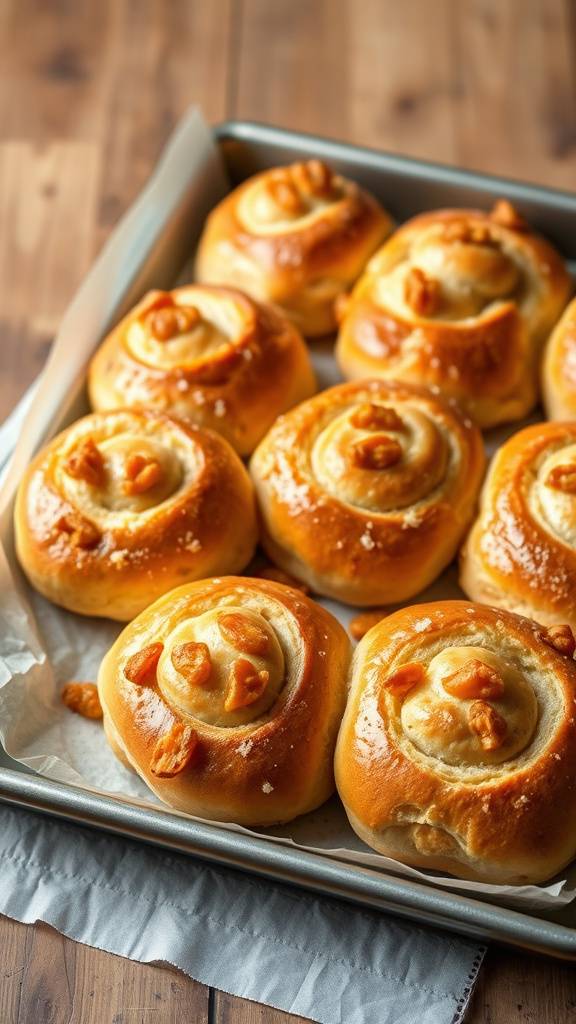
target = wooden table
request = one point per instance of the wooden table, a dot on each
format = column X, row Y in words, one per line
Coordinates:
column 89, row 91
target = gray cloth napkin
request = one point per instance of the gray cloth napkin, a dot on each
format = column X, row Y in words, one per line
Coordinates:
column 313, row 956
column 316, row 957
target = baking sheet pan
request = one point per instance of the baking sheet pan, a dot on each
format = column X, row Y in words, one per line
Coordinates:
column 405, row 187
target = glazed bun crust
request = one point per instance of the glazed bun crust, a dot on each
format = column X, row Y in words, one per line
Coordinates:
column 366, row 489
column 521, row 551
column 461, row 300
column 559, row 368
column 210, row 737
column 294, row 236
column 210, row 355
column 123, row 506
column 457, row 751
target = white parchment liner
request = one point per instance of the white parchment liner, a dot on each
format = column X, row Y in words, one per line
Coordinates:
column 42, row 646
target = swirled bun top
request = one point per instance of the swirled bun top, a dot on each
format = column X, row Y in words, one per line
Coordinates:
column 462, row 300
column 521, row 551
column 226, row 696
column 441, row 721
column 210, row 355
column 123, row 505
column 245, row 679
column 457, row 751
column 296, row 236
column 559, row 368
column 366, row 489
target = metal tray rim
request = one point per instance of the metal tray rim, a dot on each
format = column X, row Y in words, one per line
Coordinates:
column 417, row 901
column 250, row 131
column 323, row 874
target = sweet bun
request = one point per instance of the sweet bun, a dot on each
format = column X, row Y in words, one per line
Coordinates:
column 210, row 355
column 366, row 489
column 521, row 551
column 457, row 751
column 460, row 300
column 226, row 696
column 295, row 236
column 123, row 506
column 559, row 368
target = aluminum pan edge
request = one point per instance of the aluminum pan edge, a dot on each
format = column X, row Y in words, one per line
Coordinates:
column 411, row 185
column 366, row 887
column 270, row 135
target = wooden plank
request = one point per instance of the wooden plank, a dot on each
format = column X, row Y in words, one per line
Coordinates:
column 351, row 70
column 51, row 69
column 48, row 208
column 47, row 977
column 231, row 1010
column 88, row 97
column 487, row 86
column 287, row 68
column 14, row 942
column 517, row 115
column 518, row 988
column 403, row 95
column 159, row 60
column 88, row 70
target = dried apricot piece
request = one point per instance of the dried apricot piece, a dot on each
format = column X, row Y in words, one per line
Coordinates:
column 85, row 462
column 360, row 624
column 562, row 478
column 173, row 751
column 193, row 661
column 187, row 318
column 507, row 215
column 141, row 472
column 399, row 682
column 379, row 451
column 81, row 532
column 474, row 681
column 244, row 634
column 245, row 685
column 561, row 638
column 163, row 323
column 488, row 724
column 421, row 292
column 83, row 699
column 369, row 416
column 141, row 665
column 313, row 176
column 285, row 193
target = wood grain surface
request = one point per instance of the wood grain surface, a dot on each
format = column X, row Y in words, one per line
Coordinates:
column 89, row 92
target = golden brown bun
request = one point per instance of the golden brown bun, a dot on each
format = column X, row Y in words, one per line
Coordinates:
column 461, row 300
column 457, row 751
column 125, row 505
column 295, row 236
column 559, row 368
column 366, row 489
column 210, row 355
column 226, row 697
column 521, row 551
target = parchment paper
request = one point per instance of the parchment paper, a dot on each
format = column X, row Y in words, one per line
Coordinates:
column 42, row 646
